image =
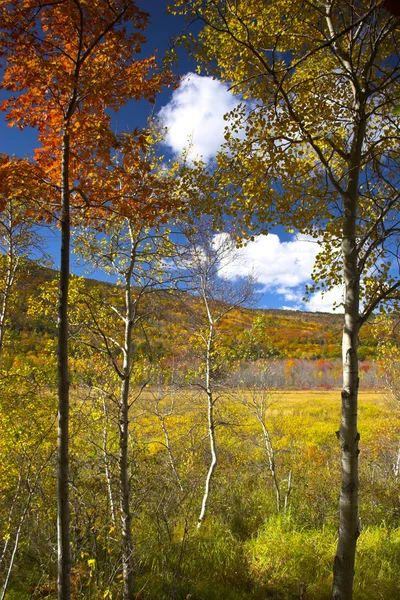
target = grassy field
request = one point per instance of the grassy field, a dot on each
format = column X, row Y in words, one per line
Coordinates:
column 246, row 549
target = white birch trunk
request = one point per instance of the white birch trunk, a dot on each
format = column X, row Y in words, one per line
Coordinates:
column 343, row 569
column 396, row 466
column 271, row 462
column 10, row 517
column 211, row 428
column 106, row 464
column 16, row 543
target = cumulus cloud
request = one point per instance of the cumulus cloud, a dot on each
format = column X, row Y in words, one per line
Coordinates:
column 323, row 302
column 194, row 116
column 278, row 265
column 282, row 268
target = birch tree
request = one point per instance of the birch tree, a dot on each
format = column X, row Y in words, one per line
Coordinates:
column 131, row 253
column 314, row 146
column 202, row 264
column 254, row 393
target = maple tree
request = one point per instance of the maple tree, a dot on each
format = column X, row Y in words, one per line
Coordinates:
column 313, row 146
column 69, row 62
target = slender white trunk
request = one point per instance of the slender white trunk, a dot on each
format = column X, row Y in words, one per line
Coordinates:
column 107, row 465
column 211, row 428
column 10, row 517
column 213, row 464
column 126, row 517
column 288, row 492
column 271, row 462
column 396, row 466
column 12, row 264
column 16, row 543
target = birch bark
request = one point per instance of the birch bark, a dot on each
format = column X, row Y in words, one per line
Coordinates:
column 211, row 420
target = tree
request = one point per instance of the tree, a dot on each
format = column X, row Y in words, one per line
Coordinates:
column 55, row 58
column 315, row 148
column 201, row 264
column 254, row 393
column 27, row 453
column 134, row 254
column 386, row 332
column 19, row 238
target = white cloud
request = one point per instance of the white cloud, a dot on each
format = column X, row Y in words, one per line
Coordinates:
column 277, row 265
column 283, row 268
column 194, row 116
column 324, row 302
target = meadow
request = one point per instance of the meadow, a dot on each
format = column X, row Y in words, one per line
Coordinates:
column 250, row 546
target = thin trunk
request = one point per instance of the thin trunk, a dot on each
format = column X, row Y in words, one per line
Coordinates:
column 271, row 461
column 126, row 517
column 288, row 491
column 63, row 518
column 396, row 466
column 343, row 569
column 211, row 430
column 169, row 450
column 12, row 264
column 106, row 463
column 10, row 517
column 16, row 543
column 213, row 464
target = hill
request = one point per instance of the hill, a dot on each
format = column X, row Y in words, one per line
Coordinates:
column 286, row 334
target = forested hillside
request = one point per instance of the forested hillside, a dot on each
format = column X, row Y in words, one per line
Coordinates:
column 280, row 334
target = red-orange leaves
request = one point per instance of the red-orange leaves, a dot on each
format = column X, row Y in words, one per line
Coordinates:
column 69, row 62
column 23, row 181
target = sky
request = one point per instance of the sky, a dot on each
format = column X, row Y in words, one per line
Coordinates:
column 194, row 111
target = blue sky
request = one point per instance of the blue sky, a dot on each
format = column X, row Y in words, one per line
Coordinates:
column 282, row 262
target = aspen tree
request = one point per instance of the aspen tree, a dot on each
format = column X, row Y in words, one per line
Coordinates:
column 313, row 146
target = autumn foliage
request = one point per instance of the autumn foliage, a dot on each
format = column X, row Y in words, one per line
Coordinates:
column 68, row 64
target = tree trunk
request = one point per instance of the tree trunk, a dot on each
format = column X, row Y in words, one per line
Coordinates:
column 9, row 522
column 106, row 463
column 126, row 517
column 63, row 517
column 343, row 569
column 12, row 264
column 271, row 462
column 214, row 461
column 16, row 542
column 211, row 429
